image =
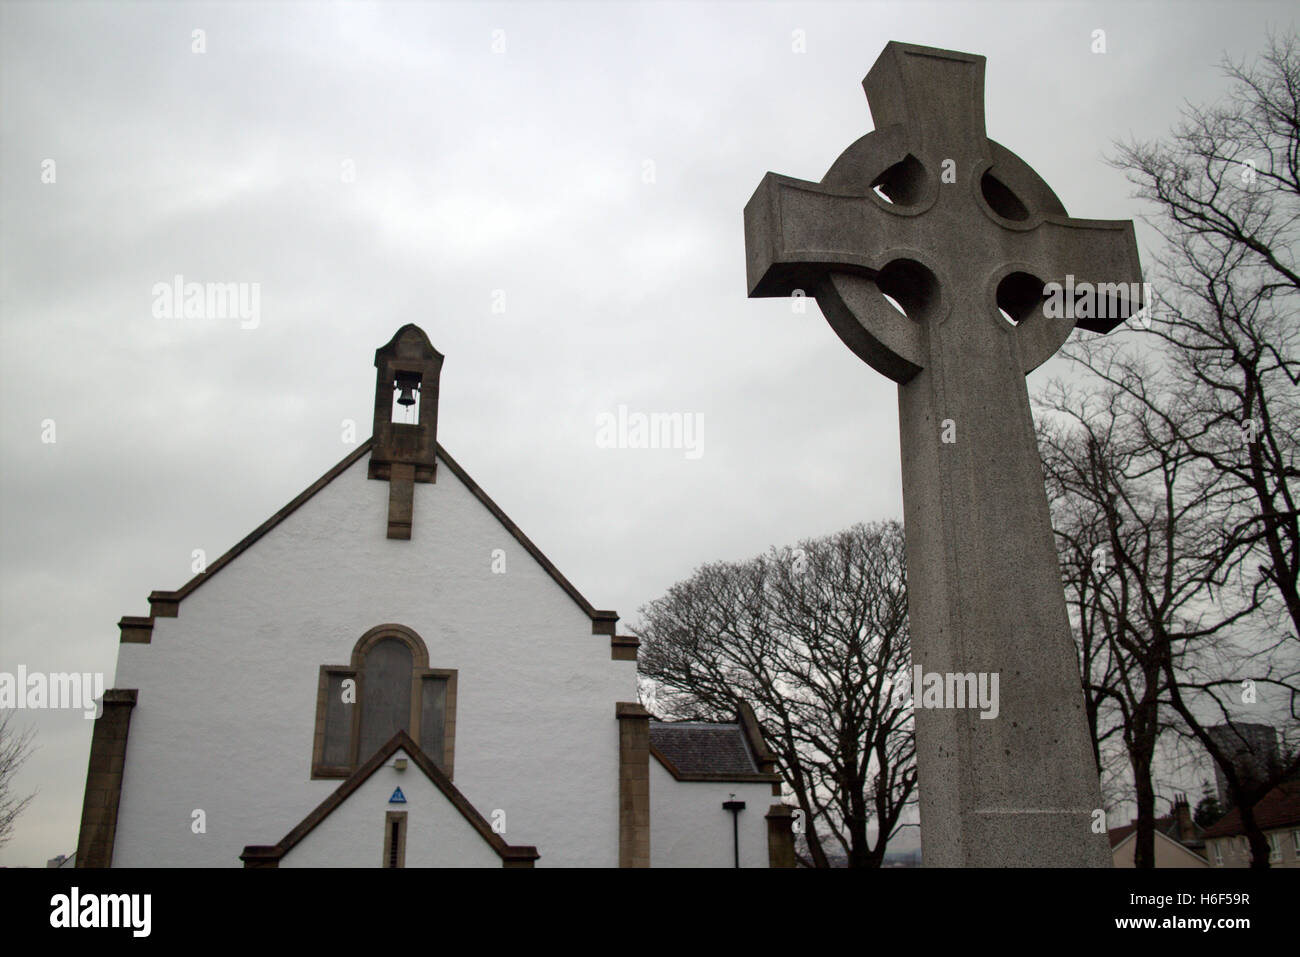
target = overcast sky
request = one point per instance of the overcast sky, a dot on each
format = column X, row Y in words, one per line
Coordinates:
column 484, row 161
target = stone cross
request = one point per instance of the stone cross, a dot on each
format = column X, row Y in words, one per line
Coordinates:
column 964, row 237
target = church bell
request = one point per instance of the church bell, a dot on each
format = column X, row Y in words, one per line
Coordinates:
column 408, row 387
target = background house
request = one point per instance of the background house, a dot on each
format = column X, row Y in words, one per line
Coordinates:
column 1178, row 841
column 1278, row 815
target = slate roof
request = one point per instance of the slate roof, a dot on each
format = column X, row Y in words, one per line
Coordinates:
column 1167, row 825
column 1280, row 807
column 698, row 748
column 707, row 751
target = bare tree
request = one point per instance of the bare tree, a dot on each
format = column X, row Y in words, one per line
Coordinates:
column 1169, row 618
column 1081, row 523
column 15, row 749
column 1131, row 499
column 815, row 638
column 1214, row 383
column 1225, row 187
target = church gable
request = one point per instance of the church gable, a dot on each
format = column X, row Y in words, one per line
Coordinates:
column 402, row 453
column 392, row 629
column 398, row 810
column 166, row 604
column 322, row 602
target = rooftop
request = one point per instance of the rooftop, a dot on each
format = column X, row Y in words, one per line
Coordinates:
column 1280, row 807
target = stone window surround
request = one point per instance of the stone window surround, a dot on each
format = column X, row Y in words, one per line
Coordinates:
column 419, row 671
column 391, row 818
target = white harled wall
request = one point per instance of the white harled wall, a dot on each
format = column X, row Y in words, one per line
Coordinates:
column 689, row 828
column 227, row 690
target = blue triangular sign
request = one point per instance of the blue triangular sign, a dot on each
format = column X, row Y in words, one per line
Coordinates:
column 398, row 797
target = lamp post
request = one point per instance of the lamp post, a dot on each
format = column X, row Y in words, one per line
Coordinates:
column 735, row 807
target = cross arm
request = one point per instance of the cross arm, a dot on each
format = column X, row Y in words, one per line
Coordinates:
column 796, row 232
column 1102, row 253
column 806, row 236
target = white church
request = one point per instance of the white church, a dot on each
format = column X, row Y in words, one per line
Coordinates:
column 307, row 701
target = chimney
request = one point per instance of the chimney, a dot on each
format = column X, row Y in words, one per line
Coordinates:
column 1183, row 815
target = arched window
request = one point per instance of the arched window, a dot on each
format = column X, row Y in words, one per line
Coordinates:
column 387, row 687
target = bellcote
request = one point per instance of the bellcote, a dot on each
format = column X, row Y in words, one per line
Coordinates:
column 404, row 448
